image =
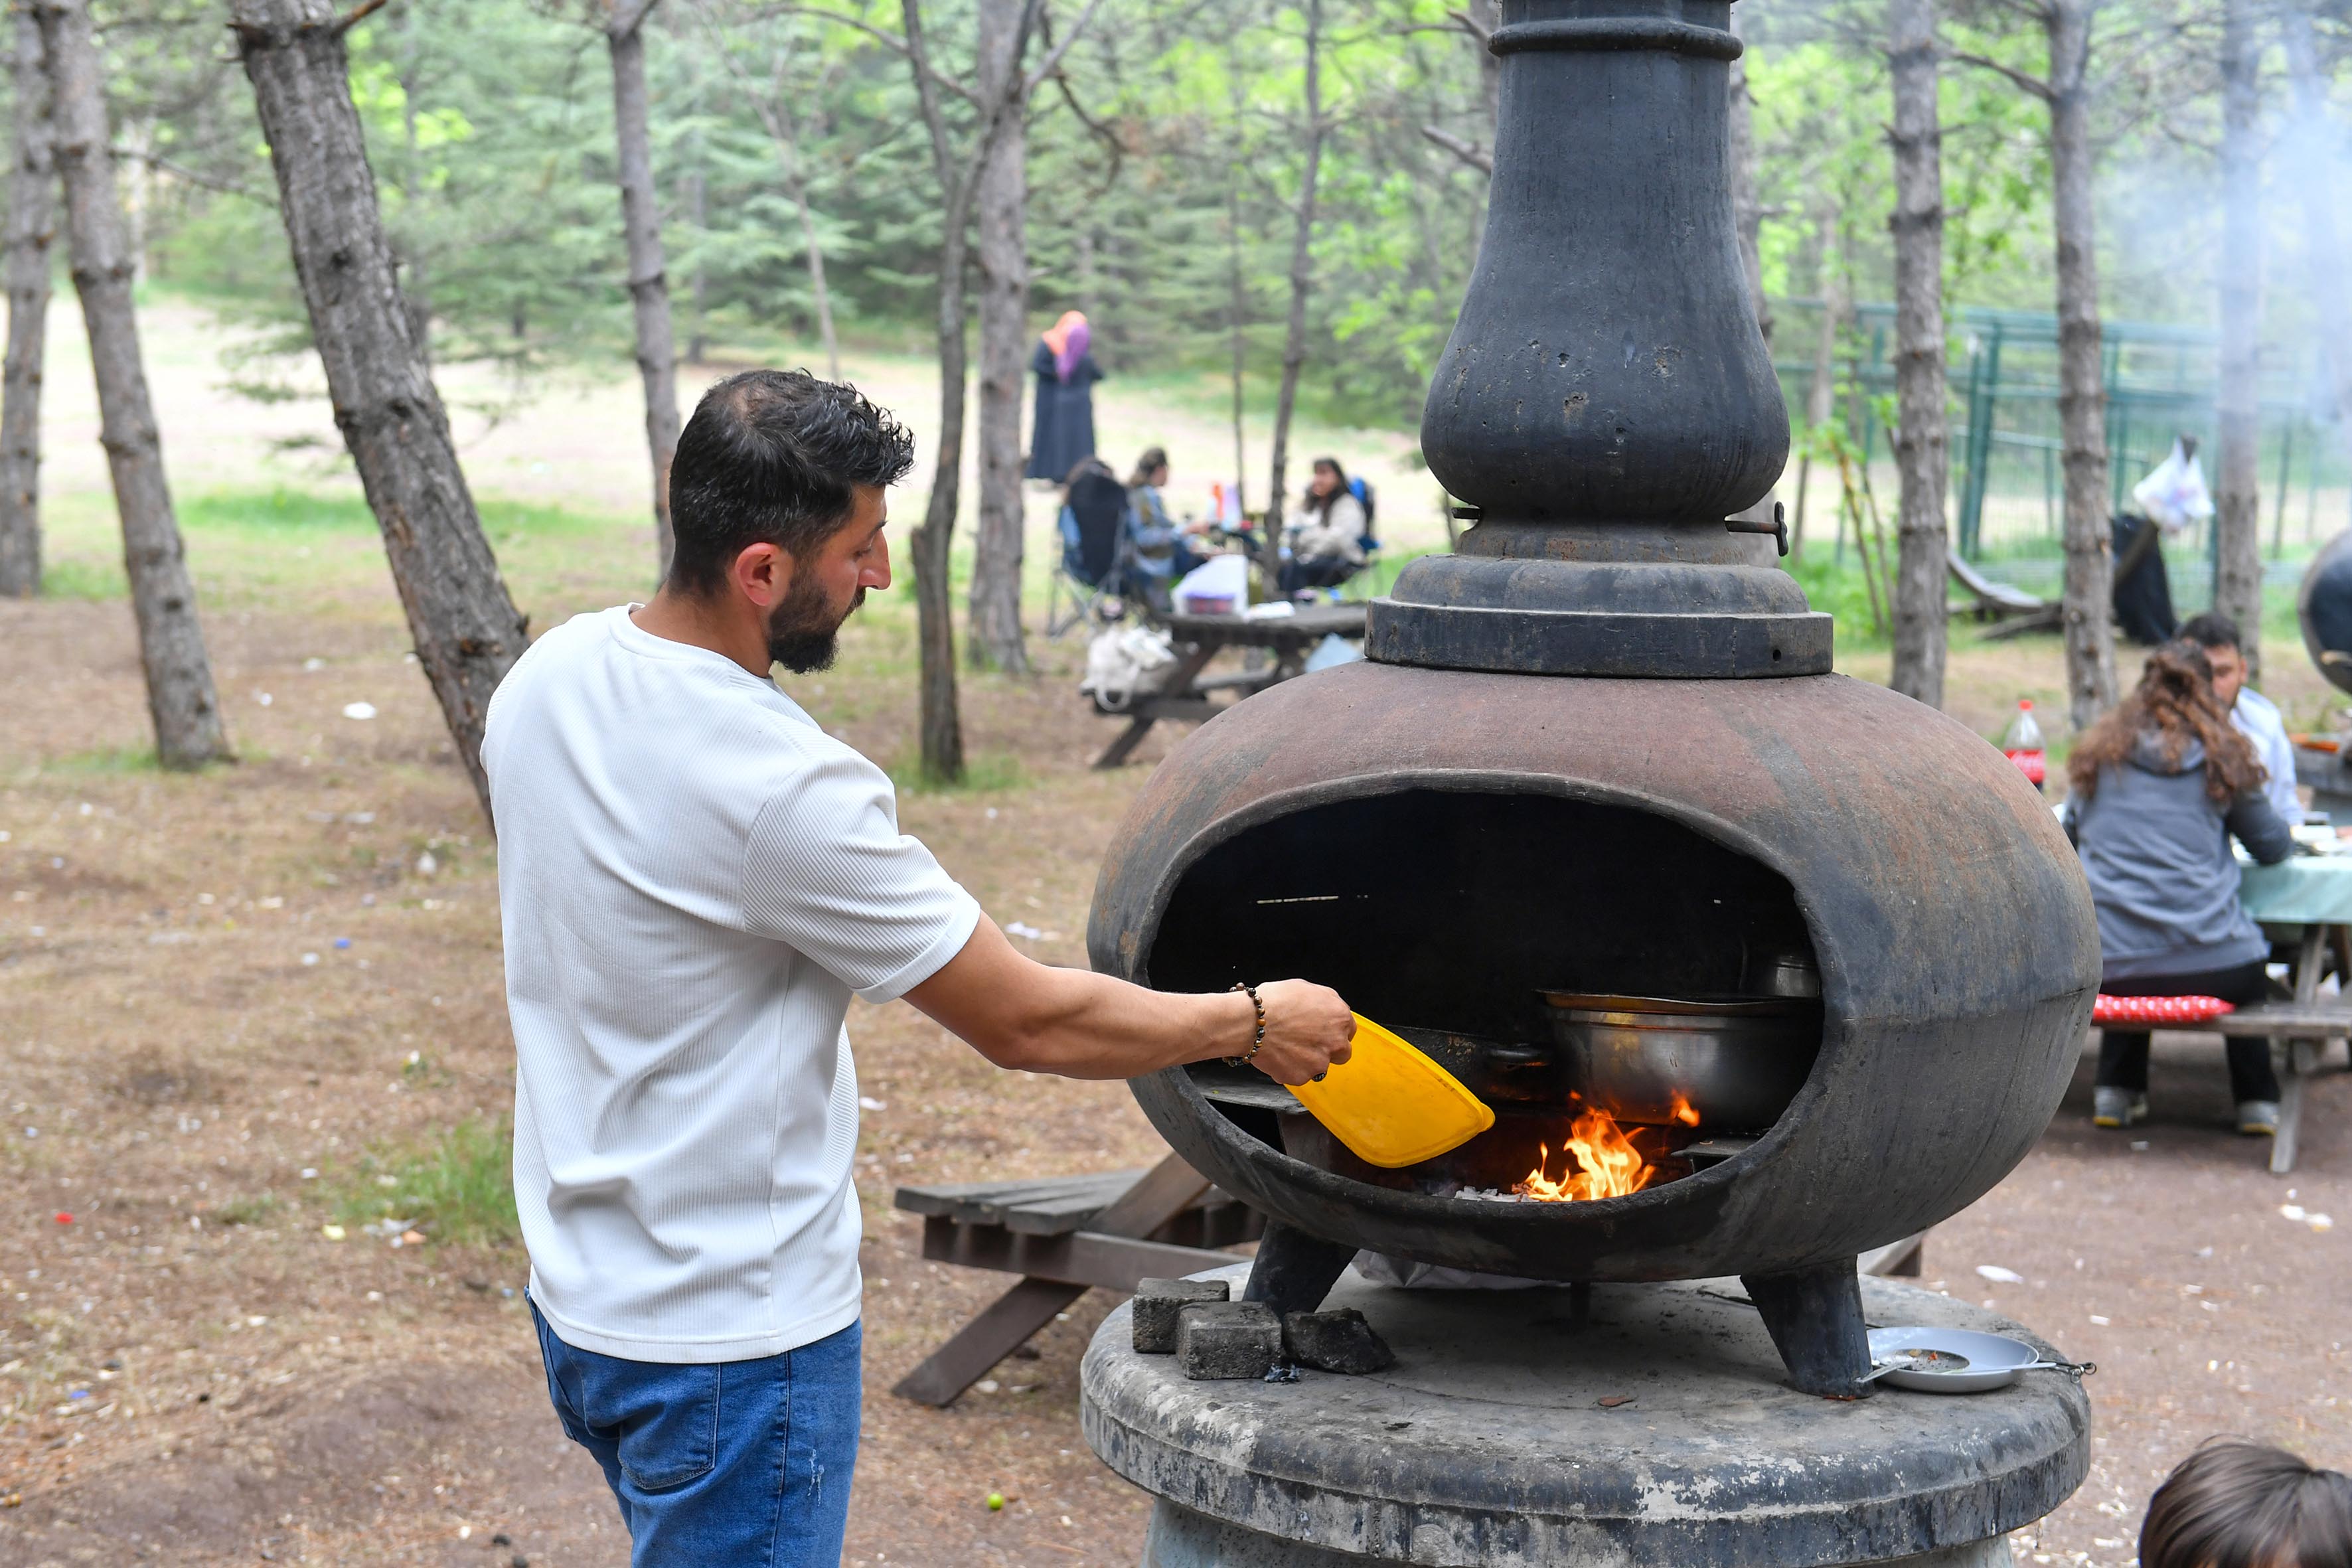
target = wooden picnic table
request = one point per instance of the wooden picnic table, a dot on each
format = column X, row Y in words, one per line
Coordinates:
column 1189, row 696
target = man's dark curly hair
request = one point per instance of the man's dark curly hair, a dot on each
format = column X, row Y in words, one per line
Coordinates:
column 773, row 456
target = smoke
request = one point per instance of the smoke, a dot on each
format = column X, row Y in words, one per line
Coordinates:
column 2161, row 247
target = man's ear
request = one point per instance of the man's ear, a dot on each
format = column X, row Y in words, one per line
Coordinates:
column 762, row 574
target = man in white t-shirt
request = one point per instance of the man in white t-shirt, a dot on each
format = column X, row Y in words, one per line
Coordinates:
column 694, row 879
column 2255, row 715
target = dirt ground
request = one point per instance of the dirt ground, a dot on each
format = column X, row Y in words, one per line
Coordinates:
column 212, row 987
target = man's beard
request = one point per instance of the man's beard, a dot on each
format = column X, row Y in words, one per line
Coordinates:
column 803, row 633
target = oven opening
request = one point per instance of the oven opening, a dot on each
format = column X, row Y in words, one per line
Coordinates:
column 1633, row 1000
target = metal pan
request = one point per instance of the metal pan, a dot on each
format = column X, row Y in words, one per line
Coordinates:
column 1984, row 1361
column 1735, row 1063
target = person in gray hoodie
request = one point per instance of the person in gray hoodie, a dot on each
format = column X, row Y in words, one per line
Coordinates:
column 2160, row 785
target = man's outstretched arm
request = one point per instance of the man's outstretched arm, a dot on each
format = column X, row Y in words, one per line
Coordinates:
column 1022, row 1014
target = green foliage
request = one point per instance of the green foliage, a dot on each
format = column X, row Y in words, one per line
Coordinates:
column 458, row 1187
column 1839, row 590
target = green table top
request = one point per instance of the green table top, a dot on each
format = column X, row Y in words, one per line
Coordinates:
column 2302, row 890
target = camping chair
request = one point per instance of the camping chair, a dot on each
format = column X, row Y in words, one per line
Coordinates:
column 1359, row 583
column 1095, row 548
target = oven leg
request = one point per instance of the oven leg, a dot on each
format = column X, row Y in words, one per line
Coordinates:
column 1814, row 1316
column 1294, row 1270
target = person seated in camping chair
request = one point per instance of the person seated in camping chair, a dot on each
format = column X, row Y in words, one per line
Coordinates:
column 1096, row 551
column 1328, row 544
column 1163, row 548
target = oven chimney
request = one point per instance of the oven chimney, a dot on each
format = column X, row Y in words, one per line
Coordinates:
column 1606, row 400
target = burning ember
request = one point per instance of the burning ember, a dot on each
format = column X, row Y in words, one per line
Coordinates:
column 1598, row 1162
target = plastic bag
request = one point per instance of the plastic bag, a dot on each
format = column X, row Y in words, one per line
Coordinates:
column 1125, row 662
column 2174, row 495
column 1332, row 651
column 1219, row 586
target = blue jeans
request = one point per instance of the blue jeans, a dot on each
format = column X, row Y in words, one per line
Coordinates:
column 745, row 1463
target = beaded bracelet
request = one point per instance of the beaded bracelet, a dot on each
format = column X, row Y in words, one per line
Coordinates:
column 1259, row 1038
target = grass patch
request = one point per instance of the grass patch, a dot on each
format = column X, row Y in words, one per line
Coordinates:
column 105, row 761
column 261, row 545
column 246, row 1211
column 985, row 772
column 458, row 1189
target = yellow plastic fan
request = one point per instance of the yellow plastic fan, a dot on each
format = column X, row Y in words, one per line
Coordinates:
column 1391, row 1105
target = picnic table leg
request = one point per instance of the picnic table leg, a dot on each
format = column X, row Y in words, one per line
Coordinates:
column 2300, row 1055
column 988, row 1338
column 1159, row 1195
column 1119, row 750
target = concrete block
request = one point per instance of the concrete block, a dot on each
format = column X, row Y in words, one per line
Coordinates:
column 1156, row 1302
column 1227, row 1339
column 1337, row 1340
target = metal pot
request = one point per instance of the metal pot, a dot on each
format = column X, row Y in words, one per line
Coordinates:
column 1735, row 1063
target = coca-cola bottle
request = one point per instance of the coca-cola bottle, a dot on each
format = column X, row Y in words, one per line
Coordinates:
column 2023, row 744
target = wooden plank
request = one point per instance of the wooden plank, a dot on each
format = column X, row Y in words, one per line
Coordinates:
column 2302, row 1056
column 2278, row 1018
column 1083, row 1257
column 2306, row 990
column 1050, row 1206
column 988, row 1203
column 988, row 1338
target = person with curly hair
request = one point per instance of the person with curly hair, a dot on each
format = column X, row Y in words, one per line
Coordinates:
column 2160, row 787
column 2235, row 1504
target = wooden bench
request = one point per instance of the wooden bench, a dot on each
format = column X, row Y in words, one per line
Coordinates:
column 1064, row 1236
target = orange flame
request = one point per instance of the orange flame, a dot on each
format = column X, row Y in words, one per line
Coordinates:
column 1683, row 1111
column 1598, row 1162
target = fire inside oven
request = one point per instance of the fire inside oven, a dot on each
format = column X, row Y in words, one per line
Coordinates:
column 1634, row 1000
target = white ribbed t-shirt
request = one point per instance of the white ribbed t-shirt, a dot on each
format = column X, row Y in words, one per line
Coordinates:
column 694, row 879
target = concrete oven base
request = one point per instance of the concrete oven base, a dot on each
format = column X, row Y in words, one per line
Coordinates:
column 1487, row 1444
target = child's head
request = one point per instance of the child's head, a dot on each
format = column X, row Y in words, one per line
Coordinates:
column 2241, row 1505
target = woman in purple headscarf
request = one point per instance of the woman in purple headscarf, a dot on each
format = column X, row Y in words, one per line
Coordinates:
column 1064, row 434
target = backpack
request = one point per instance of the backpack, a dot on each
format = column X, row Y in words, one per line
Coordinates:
column 1365, row 498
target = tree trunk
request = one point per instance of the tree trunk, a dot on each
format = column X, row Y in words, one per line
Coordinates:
column 466, row 629
column 1237, row 315
column 1002, row 201
column 641, row 229
column 2087, row 606
column 32, row 203
column 2315, row 178
column 1920, row 435
column 697, row 212
column 1821, row 392
column 1302, row 278
column 2237, row 519
column 941, row 723
column 820, row 296
column 180, row 695
column 1746, row 206
column 783, row 130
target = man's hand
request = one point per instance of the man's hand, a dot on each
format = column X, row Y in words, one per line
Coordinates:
column 1307, row 1030
column 1022, row 1014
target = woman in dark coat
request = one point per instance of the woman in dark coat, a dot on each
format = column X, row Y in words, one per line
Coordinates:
column 1064, row 434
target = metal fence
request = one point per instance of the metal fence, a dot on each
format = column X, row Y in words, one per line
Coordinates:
column 2007, row 491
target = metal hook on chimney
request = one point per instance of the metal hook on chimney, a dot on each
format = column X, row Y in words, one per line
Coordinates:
column 1778, row 528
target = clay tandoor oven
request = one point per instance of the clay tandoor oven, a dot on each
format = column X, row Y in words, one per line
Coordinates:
column 1595, row 807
